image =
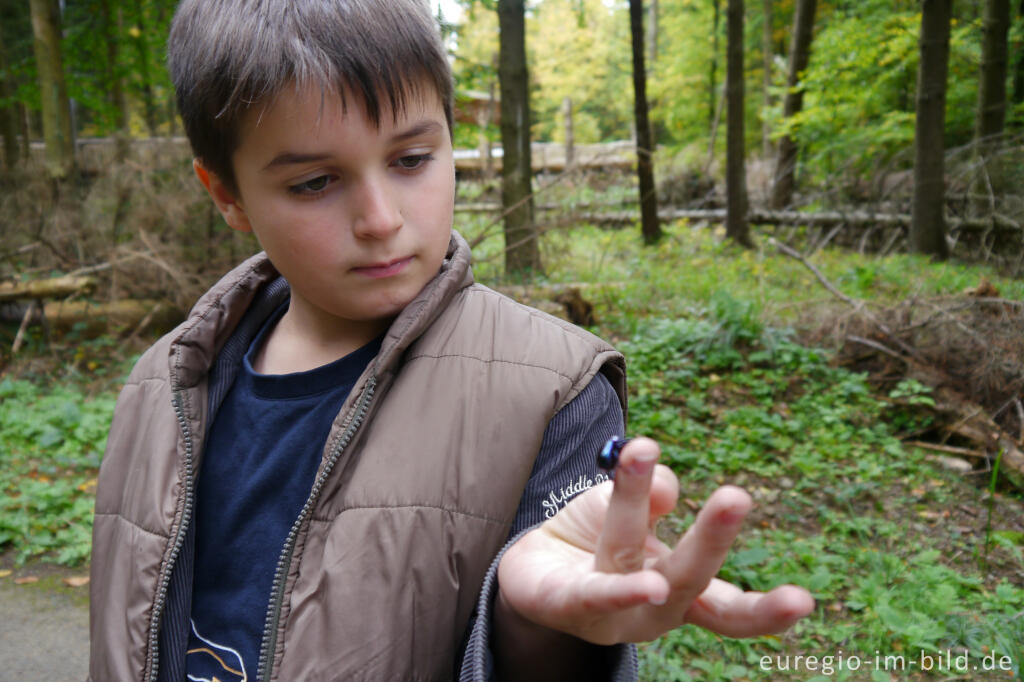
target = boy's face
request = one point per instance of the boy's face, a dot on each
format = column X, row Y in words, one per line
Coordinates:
column 356, row 217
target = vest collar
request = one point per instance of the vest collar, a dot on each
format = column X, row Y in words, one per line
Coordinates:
column 217, row 313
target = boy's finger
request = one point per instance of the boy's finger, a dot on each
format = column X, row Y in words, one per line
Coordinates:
column 729, row 611
column 620, row 548
column 702, row 550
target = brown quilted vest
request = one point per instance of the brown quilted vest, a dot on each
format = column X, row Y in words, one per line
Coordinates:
column 419, row 483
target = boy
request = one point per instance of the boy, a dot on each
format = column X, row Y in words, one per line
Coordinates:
column 312, row 476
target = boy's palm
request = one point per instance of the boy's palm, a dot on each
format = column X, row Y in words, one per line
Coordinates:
column 597, row 571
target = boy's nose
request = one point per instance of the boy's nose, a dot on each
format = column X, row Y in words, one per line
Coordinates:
column 376, row 214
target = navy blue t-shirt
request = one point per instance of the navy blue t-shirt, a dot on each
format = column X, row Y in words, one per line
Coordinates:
column 263, row 452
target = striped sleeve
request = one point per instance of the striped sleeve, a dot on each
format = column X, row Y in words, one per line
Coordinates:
column 565, row 467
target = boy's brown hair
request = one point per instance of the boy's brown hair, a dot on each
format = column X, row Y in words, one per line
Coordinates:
column 225, row 56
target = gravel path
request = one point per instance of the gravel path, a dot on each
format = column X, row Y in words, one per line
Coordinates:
column 44, row 635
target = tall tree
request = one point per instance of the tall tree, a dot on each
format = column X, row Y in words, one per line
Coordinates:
column 737, row 227
column 991, row 114
column 644, row 144
column 522, row 252
column 141, row 40
column 713, row 67
column 8, row 113
column 1018, row 69
column 56, row 108
column 652, row 31
column 799, row 57
column 767, row 60
column 928, row 224
column 111, row 22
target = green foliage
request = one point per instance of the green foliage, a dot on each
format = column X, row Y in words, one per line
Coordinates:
column 599, row 85
column 52, row 441
column 728, row 398
column 860, row 87
column 559, row 34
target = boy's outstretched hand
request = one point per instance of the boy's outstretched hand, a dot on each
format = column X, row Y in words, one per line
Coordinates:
column 596, row 570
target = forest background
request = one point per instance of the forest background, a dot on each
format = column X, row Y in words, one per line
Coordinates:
column 870, row 398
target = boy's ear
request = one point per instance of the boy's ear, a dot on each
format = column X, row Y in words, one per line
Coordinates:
column 227, row 203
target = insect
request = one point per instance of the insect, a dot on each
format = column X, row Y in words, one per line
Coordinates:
column 609, row 455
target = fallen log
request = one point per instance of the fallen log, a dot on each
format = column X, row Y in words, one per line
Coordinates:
column 967, row 420
column 495, row 207
column 55, row 287
column 99, row 318
column 822, row 219
column 90, row 319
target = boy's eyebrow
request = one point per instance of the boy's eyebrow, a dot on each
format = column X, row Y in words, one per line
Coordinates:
column 428, row 127
column 288, row 158
column 422, row 128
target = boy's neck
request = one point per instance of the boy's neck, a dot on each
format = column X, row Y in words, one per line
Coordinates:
column 299, row 343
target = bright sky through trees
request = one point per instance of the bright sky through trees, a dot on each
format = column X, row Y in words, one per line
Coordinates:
column 450, row 9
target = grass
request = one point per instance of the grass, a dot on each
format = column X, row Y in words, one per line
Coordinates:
column 908, row 562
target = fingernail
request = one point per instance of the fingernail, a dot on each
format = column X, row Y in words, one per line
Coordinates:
column 642, row 464
column 656, row 601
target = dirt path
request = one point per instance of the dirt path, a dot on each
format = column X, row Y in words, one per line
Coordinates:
column 44, row 632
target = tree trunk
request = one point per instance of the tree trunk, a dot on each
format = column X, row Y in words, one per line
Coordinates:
column 484, row 118
column 991, row 114
column 522, row 253
column 784, row 182
column 644, row 146
column 142, row 50
column 118, row 102
column 736, row 226
column 713, row 68
column 928, row 225
column 570, row 135
column 56, row 108
column 1018, row 70
column 652, row 31
column 8, row 115
column 767, row 60
column 22, row 113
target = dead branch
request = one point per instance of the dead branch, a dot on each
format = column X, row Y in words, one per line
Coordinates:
column 855, row 304
column 19, row 338
column 877, row 346
column 793, row 253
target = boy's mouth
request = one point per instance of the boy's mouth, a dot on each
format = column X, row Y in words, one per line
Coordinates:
column 384, row 269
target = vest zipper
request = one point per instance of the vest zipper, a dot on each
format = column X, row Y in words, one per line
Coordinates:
column 269, row 639
column 179, row 540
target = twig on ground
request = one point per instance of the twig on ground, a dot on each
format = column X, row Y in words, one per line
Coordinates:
column 949, row 449
column 877, row 346
column 1020, row 418
column 19, row 338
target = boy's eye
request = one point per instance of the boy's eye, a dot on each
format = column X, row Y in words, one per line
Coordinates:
column 413, row 161
column 317, row 184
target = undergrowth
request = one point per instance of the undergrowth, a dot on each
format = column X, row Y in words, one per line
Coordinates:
column 52, row 439
column 901, row 556
column 839, row 508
